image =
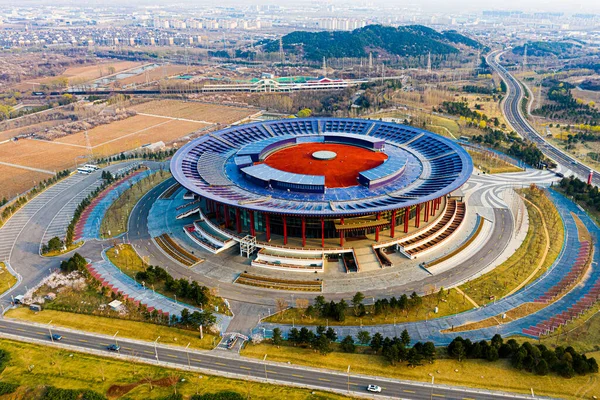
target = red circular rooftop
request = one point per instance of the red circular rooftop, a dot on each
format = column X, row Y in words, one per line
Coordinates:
column 342, row 171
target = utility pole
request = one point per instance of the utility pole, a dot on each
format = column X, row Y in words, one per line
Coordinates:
column 281, row 55
column 429, row 63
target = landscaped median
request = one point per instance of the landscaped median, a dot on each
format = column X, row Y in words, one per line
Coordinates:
column 116, row 217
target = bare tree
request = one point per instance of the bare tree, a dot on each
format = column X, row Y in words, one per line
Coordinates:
column 281, row 304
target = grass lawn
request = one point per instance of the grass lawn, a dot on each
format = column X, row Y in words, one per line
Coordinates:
column 129, row 329
column 127, row 259
column 452, row 303
column 7, row 280
column 474, row 373
column 33, row 365
column 492, row 165
column 522, row 264
column 117, row 216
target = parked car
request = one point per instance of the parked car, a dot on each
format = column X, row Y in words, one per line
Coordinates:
column 113, row 347
column 374, row 388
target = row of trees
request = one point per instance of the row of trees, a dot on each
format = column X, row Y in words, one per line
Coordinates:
column 187, row 291
column 565, row 362
column 581, row 192
column 22, row 200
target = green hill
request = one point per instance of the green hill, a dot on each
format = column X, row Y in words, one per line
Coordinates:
column 412, row 40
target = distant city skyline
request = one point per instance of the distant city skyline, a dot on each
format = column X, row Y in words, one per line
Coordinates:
column 427, row 6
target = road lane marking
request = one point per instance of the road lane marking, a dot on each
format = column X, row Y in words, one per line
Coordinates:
column 148, row 351
column 82, row 340
column 242, row 367
column 467, row 398
column 172, row 356
column 324, row 380
column 195, row 359
column 297, row 376
column 409, row 391
column 221, row 364
column 437, row 395
column 41, row 333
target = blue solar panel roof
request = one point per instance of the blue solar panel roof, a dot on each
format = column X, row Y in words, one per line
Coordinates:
column 430, row 166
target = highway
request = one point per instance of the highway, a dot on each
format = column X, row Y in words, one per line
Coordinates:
column 243, row 368
column 512, row 110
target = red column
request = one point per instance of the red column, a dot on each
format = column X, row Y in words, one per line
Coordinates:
column 377, row 228
column 303, row 232
column 226, row 211
column 217, row 211
column 342, row 233
column 322, row 232
column 268, row 224
column 252, row 231
column 426, row 213
column 393, row 223
column 238, row 222
column 418, row 216
column 432, row 208
column 406, row 218
column 284, row 230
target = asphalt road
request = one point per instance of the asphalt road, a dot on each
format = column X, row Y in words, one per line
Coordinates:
column 513, row 112
column 247, row 368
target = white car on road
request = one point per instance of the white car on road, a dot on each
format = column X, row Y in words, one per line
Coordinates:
column 374, row 388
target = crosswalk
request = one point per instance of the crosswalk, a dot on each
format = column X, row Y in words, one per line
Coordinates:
column 15, row 225
column 60, row 222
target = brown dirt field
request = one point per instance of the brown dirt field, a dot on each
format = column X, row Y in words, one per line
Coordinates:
column 14, row 181
column 168, row 130
column 156, row 74
column 342, row 171
column 40, row 154
column 103, row 133
column 197, row 111
column 116, row 391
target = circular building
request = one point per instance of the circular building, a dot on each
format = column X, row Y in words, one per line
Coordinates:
column 319, row 178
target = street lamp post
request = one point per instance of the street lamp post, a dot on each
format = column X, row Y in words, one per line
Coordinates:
column 116, row 343
column 348, row 379
column 432, row 382
column 188, row 355
column 155, row 348
column 265, row 361
column 50, row 331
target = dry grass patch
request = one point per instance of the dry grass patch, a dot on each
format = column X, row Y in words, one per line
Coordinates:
column 14, row 181
column 492, row 165
column 72, row 370
column 41, row 154
column 7, row 280
column 114, row 130
column 155, row 74
column 108, row 326
column 473, row 373
column 212, row 113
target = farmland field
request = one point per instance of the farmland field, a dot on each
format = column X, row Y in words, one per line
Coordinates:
column 197, row 111
column 166, row 131
column 15, row 181
column 40, row 154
